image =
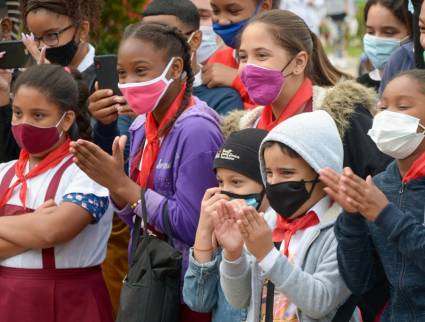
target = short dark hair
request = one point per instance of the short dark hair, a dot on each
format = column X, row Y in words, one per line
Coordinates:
column 184, row 10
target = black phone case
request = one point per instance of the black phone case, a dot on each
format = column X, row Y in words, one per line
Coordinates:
column 106, row 72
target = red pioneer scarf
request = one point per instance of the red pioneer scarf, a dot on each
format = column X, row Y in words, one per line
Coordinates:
column 49, row 162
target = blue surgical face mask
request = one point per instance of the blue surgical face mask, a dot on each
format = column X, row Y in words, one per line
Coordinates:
column 253, row 200
column 379, row 50
column 229, row 33
column 411, row 8
column 208, row 45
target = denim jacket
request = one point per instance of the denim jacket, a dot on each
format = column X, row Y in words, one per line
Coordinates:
column 202, row 291
column 392, row 246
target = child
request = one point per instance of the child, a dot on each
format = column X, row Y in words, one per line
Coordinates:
column 388, row 26
column 186, row 19
column 303, row 269
column 228, row 23
column 238, row 174
column 381, row 231
column 54, row 223
column 293, row 75
column 173, row 140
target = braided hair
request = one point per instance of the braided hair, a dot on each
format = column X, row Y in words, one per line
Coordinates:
column 77, row 10
column 66, row 90
column 175, row 44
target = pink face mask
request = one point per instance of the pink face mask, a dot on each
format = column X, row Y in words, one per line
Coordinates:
column 144, row 97
column 263, row 84
column 36, row 139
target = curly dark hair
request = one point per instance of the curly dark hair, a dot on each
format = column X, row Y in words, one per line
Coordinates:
column 77, row 10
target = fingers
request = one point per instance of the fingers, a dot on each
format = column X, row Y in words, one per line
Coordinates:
column 43, row 59
column 211, row 192
column 330, row 178
column 84, row 153
column 48, row 204
column 31, row 46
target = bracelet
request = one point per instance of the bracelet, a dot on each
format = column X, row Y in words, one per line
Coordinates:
column 134, row 206
column 203, row 250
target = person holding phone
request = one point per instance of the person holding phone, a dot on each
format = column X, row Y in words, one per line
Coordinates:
column 173, row 140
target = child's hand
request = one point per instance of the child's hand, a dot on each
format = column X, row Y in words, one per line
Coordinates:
column 227, row 232
column 363, row 195
column 209, row 206
column 256, row 233
column 332, row 181
column 216, row 75
column 104, row 105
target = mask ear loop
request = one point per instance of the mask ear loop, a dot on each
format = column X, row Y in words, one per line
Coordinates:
column 287, row 64
column 315, row 182
column 59, row 122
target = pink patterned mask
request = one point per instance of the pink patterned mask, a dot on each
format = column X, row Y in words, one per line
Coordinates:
column 263, row 84
column 144, row 97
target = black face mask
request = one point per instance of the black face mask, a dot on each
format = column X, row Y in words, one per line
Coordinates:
column 253, row 200
column 287, row 197
column 62, row 55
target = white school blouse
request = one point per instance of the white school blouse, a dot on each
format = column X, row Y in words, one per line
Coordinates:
column 88, row 248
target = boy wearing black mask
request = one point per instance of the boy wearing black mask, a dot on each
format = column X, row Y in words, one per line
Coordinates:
column 297, row 278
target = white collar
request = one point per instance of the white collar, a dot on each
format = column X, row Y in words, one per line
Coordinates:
column 321, row 208
column 375, row 75
column 88, row 60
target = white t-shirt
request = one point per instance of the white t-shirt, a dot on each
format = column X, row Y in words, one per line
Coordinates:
column 88, row 248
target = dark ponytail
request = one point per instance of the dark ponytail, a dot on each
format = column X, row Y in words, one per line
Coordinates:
column 323, row 73
column 175, row 44
column 62, row 89
column 293, row 35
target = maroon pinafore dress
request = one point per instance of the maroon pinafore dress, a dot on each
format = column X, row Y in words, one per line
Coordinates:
column 50, row 294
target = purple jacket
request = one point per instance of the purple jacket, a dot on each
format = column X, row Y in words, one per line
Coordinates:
column 183, row 172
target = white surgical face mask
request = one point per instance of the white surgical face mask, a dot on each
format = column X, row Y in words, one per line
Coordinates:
column 395, row 134
column 208, row 45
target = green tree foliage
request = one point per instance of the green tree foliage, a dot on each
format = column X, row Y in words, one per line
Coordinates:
column 117, row 14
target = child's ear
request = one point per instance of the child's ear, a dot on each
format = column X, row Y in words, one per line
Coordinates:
column 195, row 41
column 68, row 120
column 267, row 5
column 177, row 68
column 84, row 31
column 301, row 60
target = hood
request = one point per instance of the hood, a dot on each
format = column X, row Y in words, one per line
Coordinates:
column 340, row 101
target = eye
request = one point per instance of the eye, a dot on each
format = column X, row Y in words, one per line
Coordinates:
column 17, row 113
column 38, row 116
column 236, row 182
column 269, row 173
column 140, row 71
column 243, row 58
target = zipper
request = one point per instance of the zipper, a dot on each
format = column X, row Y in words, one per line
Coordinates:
column 403, row 262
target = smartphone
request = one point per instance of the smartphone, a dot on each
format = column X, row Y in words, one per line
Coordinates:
column 106, row 72
column 16, row 55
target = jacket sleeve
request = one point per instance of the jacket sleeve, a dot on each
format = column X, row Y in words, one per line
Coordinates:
column 235, row 279
column 318, row 294
column 201, row 283
column 405, row 231
column 357, row 258
column 192, row 178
